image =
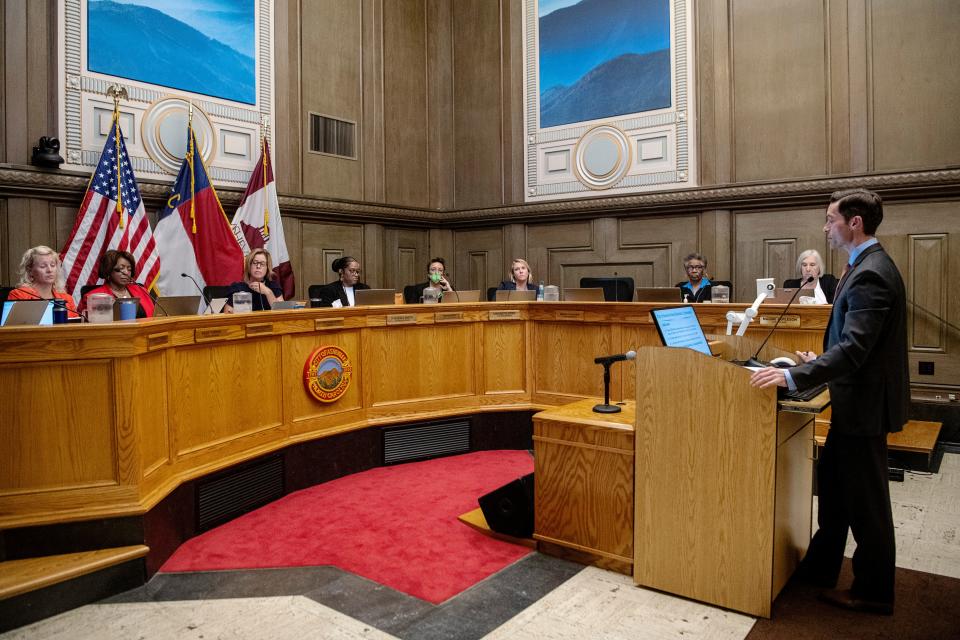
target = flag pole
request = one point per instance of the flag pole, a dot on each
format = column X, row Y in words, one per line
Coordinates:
column 116, row 92
column 190, row 160
column 263, row 155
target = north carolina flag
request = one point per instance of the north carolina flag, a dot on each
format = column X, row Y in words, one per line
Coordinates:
column 257, row 220
column 193, row 233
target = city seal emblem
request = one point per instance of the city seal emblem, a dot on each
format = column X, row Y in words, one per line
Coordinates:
column 327, row 373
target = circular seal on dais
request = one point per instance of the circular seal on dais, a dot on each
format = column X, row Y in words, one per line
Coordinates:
column 327, row 373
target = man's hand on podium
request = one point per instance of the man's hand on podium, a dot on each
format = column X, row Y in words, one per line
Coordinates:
column 768, row 377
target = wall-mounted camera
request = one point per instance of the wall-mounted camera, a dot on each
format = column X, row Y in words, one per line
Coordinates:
column 47, row 153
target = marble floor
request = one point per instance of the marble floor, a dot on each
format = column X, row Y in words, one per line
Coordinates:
column 537, row 597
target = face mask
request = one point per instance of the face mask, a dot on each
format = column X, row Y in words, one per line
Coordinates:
column 436, row 277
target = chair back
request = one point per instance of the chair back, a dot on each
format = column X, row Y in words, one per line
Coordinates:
column 212, row 291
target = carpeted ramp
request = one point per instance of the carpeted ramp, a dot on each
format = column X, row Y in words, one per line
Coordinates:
column 394, row 525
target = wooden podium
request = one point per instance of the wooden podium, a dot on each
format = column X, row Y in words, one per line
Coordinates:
column 723, row 477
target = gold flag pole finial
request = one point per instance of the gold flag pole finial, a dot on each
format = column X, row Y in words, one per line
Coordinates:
column 263, row 172
column 117, row 92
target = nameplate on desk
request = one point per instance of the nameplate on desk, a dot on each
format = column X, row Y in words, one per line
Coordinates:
column 218, row 333
column 402, row 318
column 449, row 316
column 259, row 329
column 506, row 314
column 569, row 315
column 327, row 323
column 788, row 321
column 157, row 340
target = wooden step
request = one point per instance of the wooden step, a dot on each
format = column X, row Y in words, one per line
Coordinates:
column 476, row 520
column 22, row 576
column 917, row 436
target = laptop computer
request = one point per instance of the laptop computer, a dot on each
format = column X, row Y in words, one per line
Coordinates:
column 516, row 295
column 583, row 295
column 26, row 313
column 680, row 327
column 461, row 296
column 783, row 295
column 286, row 305
column 177, row 306
column 658, row 294
column 369, row 297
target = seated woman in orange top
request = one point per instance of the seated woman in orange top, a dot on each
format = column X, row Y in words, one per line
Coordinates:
column 119, row 272
column 41, row 278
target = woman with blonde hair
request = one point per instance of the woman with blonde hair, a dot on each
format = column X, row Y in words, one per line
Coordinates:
column 259, row 280
column 824, row 285
column 520, row 277
column 41, row 278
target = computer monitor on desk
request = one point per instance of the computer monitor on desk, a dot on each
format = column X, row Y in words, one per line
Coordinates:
column 679, row 327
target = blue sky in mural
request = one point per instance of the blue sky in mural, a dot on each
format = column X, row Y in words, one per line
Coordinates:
column 602, row 58
column 202, row 46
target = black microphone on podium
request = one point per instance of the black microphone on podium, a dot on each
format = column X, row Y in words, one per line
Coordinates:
column 753, row 361
column 205, row 298
column 606, row 361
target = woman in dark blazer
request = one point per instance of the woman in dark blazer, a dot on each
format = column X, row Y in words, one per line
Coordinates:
column 436, row 277
column 340, row 292
column 824, row 285
column 520, row 277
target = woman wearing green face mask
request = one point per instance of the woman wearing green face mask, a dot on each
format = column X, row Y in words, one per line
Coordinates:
column 436, row 277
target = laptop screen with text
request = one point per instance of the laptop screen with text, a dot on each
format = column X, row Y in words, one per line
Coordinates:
column 679, row 327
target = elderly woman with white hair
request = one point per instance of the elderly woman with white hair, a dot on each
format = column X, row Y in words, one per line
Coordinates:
column 41, row 278
column 824, row 285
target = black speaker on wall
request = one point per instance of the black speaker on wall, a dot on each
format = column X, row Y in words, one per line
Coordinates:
column 509, row 509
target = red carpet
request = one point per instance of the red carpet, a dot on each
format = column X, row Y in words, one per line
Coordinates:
column 394, row 525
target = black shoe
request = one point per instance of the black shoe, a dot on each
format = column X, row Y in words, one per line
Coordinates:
column 845, row 600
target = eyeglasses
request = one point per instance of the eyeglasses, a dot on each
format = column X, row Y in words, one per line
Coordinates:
column 119, row 269
column 258, row 263
column 694, row 267
column 355, row 272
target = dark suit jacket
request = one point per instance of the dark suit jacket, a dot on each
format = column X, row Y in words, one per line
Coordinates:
column 865, row 350
column 827, row 282
column 334, row 291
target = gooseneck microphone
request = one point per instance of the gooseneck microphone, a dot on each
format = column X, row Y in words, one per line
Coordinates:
column 156, row 300
column 606, row 361
column 202, row 294
column 752, row 361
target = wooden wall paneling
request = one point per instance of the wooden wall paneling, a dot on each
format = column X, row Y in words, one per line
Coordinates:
column 549, row 246
column 714, row 95
column 768, row 243
column 30, row 222
column 406, row 252
column 915, row 93
column 441, row 154
column 58, row 438
column 442, row 245
column 779, row 83
column 5, row 92
column 63, row 219
column 8, row 270
column 220, row 405
column 504, row 358
column 716, row 244
column 477, row 99
column 512, row 108
column 563, row 360
column 288, row 125
column 324, row 243
column 436, row 367
column 656, row 246
column 374, row 257
column 839, row 50
column 919, row 237
column 151, row 405
column 859, row 88
column 331, row 55
column 405, row 124
column 304, row 413
column 515, row 246
column 479, row 258
column 371, row 130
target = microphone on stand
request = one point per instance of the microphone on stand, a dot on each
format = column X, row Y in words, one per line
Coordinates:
column 752, row 361
column 156, row 300
column 202, row 294
column 606, row 361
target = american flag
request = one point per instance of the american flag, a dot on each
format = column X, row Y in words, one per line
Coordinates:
column 101, row 226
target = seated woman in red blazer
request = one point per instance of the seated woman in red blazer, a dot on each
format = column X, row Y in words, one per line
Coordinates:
column 118, row 269
column 41, row 278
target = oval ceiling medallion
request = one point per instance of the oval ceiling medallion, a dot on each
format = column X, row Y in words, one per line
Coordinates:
column 602, row 157
column 164, row 131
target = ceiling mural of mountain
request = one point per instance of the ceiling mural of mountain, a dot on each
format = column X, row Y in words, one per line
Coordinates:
column 603, row 58
column 141, row 43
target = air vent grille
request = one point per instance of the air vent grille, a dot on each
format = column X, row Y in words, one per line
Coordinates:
column 332, row 136
column 416, row 442
column 238, row 492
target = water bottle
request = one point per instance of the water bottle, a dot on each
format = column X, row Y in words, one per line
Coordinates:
column 59, row 313
column 540, row 292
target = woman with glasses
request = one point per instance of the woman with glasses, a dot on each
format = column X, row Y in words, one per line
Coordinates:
column 118, row 269
column 810, row 264
column 259, row 281
column 698, row 285
column 340, row 292
column 436, row 277
column 41, row 278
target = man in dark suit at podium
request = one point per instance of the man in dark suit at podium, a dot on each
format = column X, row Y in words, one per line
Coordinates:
column 865, row 364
